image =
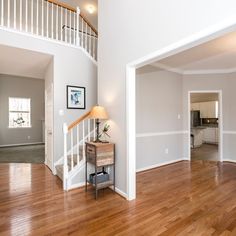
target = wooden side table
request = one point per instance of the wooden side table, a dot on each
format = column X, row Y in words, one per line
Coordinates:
column 101, row 155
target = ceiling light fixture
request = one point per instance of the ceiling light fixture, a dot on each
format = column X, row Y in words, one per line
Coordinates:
column 91, row 9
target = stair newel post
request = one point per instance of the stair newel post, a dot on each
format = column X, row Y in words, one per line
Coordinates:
column 77, row 145
column 77, row 26
column 83, row 141
column 65, row 164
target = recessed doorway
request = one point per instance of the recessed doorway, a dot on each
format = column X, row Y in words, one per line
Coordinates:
column 205, row 125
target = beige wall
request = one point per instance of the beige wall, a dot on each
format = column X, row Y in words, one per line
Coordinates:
column 13, row 86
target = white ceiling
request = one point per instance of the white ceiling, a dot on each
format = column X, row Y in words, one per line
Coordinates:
column 204, row 97
column 218, row 55
column 21, row 62
column 83, row 4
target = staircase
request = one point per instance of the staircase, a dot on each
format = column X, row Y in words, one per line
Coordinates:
column 71, row 165
column 50, row 20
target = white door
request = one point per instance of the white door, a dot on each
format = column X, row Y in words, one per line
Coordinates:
column 49, row 127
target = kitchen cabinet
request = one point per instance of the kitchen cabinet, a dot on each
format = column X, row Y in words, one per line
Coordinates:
column 195, row 106
column 210, row 135
column 207, row 109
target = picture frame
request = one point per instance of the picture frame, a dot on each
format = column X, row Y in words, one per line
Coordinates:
column 76, row 97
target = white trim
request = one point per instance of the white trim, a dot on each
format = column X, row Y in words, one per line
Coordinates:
column 229, row 132
column 203, row 36
column 131, row 132
column 193, row 72
column 229, row 160
column 209, row 72
column 142, row 135
column 160, row 164
column 77, row 185
column 49, row 40
column 220, row 123
column 118, row 191
column 21, row 144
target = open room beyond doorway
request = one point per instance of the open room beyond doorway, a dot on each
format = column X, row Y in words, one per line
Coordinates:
column 22, row 105
column 206, row 65
column 205, row 125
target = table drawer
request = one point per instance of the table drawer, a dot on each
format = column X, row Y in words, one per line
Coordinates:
column 91, row 150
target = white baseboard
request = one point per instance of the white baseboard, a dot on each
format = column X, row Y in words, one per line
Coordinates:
column 21, row 144
column 229, row 160
column 121, row 193
column 78, row 185
column 160, row 164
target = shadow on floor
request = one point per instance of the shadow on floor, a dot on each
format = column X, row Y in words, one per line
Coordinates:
column 23, row 154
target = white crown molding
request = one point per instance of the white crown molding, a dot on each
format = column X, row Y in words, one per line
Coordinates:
column 168, row 68
column 193, row 72
column 207, row 72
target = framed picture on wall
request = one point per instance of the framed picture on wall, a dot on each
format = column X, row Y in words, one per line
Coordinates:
column 76, row 97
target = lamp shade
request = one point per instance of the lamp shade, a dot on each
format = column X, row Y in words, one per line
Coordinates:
column 98, row 112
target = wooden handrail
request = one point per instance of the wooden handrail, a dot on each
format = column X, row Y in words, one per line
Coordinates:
column 60, row 4
column 66, row 6
column 72, row 125
column 85, row 20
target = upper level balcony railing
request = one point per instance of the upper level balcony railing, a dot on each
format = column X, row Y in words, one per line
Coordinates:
column 49, row 19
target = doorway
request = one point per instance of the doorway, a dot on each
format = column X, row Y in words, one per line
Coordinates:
column 205, row 125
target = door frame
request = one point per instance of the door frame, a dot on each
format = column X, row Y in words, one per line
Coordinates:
column 51, row 165
column 193, row 40
column 220, row 121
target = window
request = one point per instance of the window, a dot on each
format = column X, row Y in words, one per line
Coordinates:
column 19, row 113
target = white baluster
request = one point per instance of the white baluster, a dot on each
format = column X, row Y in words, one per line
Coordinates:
column 14, row 5
column 65, row 164
column 83, row 141
column 94, row 45
column 88, row 129
column 90, row 41
column 26, row 15
column 37, row 17
column 42, row 18
column 20, row 15
column 71, row 156
column 65, row 28
column 57, row 24
column 52, row 34
column 77, row 145
column 94, row 129
column 61, row 27
column 8, row 13
column 47, row 26
column 86, row 38
column 82, row 33
column 2, row 12
column 70, row 29
column 32, row 16
column 74, row 31
column 77, row 26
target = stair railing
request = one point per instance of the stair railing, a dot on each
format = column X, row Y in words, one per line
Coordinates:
column 50, row 19
column 75, row 136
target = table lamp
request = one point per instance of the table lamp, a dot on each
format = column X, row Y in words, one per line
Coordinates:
column 98, row 113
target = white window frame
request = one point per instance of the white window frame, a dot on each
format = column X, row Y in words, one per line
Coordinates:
column 30, row 124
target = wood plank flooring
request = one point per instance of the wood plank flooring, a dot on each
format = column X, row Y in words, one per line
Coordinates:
column 207, row 152
column 197, row 198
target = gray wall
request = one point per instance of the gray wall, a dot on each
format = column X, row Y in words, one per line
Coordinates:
column 158, row 104
column 12, row 86
column 226, row 83
column 71, row 66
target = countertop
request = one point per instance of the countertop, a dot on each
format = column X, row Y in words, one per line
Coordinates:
column 205, row 126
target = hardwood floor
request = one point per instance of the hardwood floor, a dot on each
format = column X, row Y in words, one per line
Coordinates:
column 207, row 152
column 197, row 198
